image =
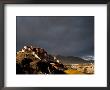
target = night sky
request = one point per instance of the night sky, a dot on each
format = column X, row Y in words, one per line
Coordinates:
column 58, row 35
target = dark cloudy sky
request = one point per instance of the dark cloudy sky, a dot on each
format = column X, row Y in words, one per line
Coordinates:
column 67, row 35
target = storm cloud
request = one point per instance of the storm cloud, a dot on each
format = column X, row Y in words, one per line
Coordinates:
column 64, row 35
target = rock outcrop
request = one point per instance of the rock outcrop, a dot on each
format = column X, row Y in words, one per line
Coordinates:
column 32, row 60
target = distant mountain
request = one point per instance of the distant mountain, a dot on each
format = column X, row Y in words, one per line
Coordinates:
column 72, row 59
column 88, row 58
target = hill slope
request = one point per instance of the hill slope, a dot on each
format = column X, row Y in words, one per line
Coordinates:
column 72, row 60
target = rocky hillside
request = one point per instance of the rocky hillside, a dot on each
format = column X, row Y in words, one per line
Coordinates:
column 31, row 60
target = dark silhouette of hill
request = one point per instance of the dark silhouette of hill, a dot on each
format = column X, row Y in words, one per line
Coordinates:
column 72, row 59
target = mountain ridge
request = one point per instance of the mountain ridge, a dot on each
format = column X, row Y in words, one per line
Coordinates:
column 72, row 59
